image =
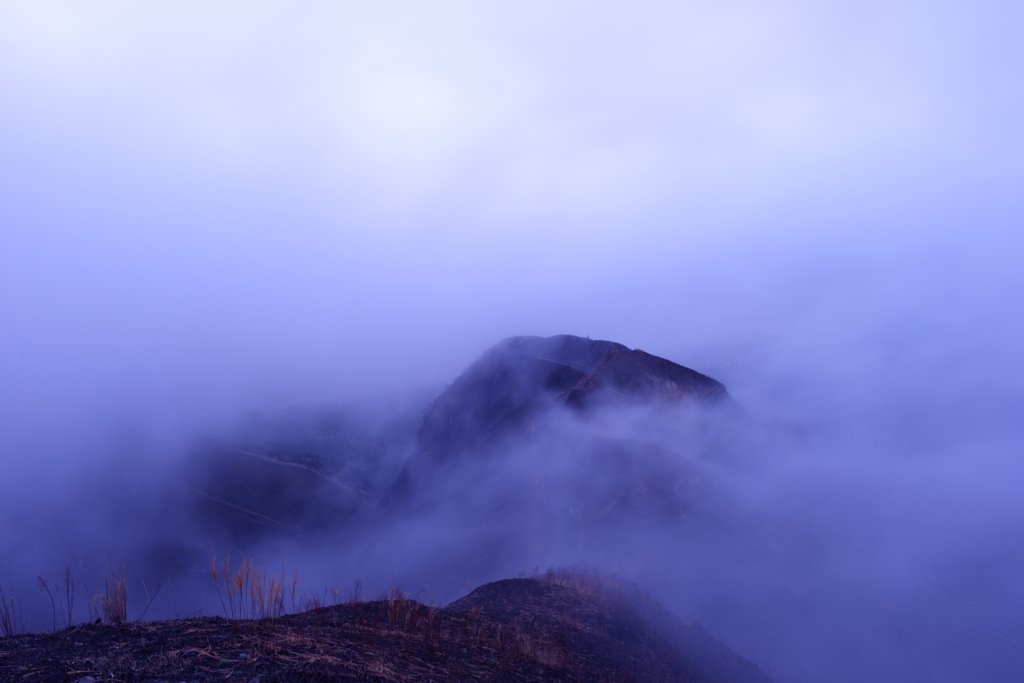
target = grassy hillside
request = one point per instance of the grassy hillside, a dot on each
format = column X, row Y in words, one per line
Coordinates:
column 556, row 627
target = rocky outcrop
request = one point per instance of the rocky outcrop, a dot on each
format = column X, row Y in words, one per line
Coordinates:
column 532, row 396
column 521, row 378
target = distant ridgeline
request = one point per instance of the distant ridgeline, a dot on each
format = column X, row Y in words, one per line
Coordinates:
column 551, row 439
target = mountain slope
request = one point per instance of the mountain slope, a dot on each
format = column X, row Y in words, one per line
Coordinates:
column 613, row 622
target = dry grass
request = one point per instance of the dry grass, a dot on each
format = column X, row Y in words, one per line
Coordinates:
column 249, row 592
column 11, row 623
column 64, row 602
column 69, row 595
column 557, row 627
column 545, row 627
column 395, row 639
column 246, row 591
column 113, row 600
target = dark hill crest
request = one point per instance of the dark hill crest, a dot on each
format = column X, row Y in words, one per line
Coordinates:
column 519, row 386
column 519, row 378
column 555, row 627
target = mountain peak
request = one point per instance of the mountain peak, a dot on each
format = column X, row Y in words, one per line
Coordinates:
column 520, row 378
column 521, row 385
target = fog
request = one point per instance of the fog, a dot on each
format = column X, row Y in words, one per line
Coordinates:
column 213, row 213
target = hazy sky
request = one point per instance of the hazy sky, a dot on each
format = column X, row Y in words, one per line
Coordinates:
column 208, row 207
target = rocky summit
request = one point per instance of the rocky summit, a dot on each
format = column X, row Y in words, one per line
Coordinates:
column 523, row 388
column 537, row 436
column 521, row 378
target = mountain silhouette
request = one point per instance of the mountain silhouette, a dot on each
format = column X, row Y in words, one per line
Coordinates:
column 555, row 397
column 534, row 439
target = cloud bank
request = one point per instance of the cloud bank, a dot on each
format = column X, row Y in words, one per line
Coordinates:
column 213, row 210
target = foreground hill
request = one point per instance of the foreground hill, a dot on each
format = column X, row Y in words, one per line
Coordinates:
column 558, row 627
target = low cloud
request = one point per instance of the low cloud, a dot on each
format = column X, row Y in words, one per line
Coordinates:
column 207, row 220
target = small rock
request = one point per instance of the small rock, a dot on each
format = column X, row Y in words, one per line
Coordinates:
column 243, row 656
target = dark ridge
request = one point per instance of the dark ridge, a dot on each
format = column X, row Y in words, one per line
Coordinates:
column 554, row 628
column 293, row 472
column 609, row 619
column 522, row 377
column 246, row 494
column 515, row 384
column 311, row 472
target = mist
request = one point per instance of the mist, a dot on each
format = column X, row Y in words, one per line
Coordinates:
column 211, row 214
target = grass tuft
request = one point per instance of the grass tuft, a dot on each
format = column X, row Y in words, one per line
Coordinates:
column 249, row 592
column 113, row 601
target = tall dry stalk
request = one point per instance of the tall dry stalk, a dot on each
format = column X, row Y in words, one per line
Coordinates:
column 69, row 594
column 150, row 598
column 356, row 596
column 8, row 615
column 10, row 624
column 44, row 585
column 398, row 606
column 62, row 599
